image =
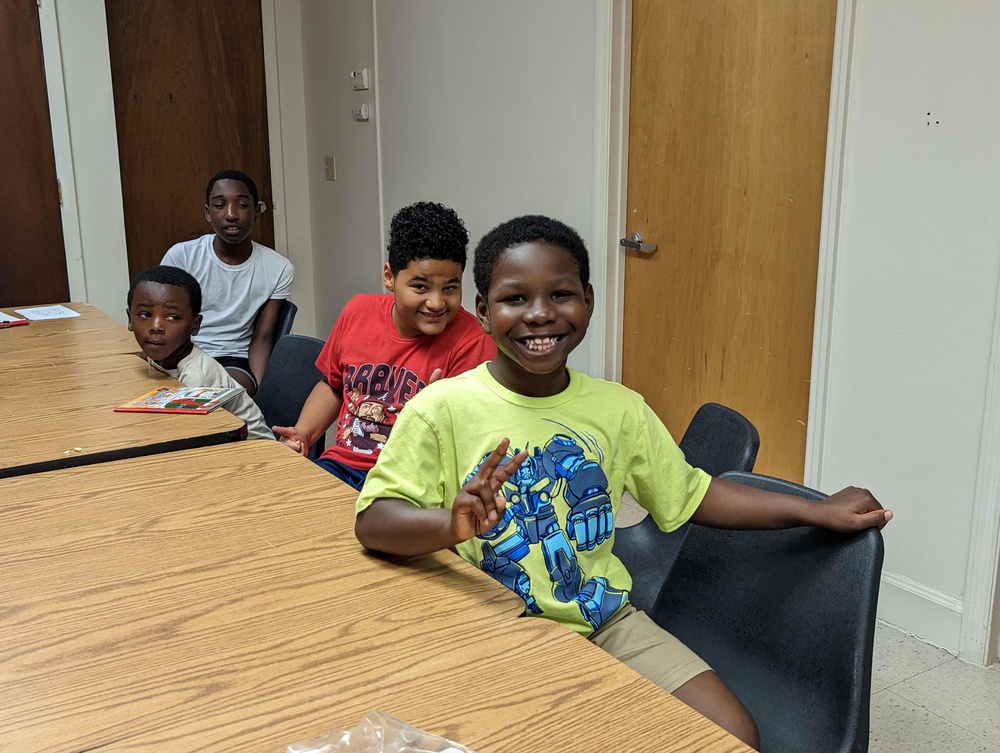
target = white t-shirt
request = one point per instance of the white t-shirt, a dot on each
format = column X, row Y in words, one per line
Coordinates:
column 232, row 295
column 198, row 369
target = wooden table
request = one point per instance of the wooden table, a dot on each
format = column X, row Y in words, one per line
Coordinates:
column 59, row 414
column 217, row 599
column 61, row 340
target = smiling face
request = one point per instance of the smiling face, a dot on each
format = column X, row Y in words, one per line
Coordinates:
column 428, row 295
column 160, row 318
column 231, row 212
column 537, row 311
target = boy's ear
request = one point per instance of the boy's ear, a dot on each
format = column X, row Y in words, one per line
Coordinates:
column 196, row 325
column 588, row 297
column 483, row 313
column 128, row 319
column 388, row 278
column 208, row 215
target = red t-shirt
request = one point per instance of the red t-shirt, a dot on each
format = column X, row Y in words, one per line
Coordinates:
column 376, row 371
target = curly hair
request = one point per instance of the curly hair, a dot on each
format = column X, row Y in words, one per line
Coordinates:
column 231, row 175
column 426, row 230
column 169, row 276
column 531, row 228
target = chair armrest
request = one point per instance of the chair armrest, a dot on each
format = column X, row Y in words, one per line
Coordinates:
column 772, row 484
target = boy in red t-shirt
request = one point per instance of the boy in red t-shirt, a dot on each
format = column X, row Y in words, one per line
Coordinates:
column 384, row 349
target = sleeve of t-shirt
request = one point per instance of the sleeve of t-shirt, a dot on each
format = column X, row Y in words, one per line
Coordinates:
column 330, row 358
column 409, row 466
column 245, row 409
column 173, row 257
column 660, row 478
column 205, row 371
column 283, row 287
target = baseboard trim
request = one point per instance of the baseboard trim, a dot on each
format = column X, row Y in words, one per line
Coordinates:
column 930, row 615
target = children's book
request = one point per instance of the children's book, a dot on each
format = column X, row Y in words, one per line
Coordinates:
column 180, row 400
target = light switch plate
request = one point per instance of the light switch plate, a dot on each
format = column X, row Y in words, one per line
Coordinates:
column 359, row 79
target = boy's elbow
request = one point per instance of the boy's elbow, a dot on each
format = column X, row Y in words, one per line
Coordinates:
column 397, row 527
column 363, row 531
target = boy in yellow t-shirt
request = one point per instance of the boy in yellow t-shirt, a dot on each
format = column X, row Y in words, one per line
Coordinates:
column 540, row 518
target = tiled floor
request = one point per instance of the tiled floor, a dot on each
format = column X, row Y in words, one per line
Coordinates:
column 924, row 700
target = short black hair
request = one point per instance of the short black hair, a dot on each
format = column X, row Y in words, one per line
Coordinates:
column 426, row 230
column 531, row 228
column 169, row 276
column 231, row 175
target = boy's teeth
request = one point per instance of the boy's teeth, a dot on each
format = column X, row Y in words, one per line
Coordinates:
column 540, row 343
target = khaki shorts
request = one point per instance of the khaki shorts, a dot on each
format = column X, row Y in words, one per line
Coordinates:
column 635, row 640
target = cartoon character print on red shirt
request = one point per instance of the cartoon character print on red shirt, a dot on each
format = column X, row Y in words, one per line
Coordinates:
column 375, row 393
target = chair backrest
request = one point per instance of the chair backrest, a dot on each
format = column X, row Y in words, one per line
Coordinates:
column 290, row 376
column 719, row 439
column 787, row 620
column 286, row 316
column 648, row 554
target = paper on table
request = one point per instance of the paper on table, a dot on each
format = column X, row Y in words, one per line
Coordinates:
column 5, row 318
column 37, row 313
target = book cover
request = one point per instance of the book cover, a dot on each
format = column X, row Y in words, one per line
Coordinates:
column 197, row 400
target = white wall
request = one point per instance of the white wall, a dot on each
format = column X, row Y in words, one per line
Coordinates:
column 337, row 37
column 485, row 107
column 917, row 270
column 489, row 108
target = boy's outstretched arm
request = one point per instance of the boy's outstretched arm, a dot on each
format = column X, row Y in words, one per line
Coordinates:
column 396, row 526
column 731, row 505
column 318, row 413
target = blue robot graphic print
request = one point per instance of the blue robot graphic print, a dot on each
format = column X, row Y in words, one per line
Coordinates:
column 558, row 502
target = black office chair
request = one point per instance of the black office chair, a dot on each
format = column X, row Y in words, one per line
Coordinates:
column 286, row 317
column 290, row 376
column 787, row 620
column 718, row 439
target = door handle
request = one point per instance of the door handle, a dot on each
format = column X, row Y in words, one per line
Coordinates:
column 634, row 242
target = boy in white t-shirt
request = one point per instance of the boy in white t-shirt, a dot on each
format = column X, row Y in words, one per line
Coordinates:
column 243, row 283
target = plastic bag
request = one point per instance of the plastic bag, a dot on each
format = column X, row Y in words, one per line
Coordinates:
column 379, row 732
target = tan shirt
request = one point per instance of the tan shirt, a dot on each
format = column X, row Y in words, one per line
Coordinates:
column 198, row 369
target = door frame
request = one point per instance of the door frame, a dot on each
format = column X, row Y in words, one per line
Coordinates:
column 979, row 638
column 284, row 81
column 62, row 149
column 613, row 53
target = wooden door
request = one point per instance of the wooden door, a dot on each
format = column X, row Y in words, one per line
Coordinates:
column 727, row 145
column 32, row 254
column 189, row 91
